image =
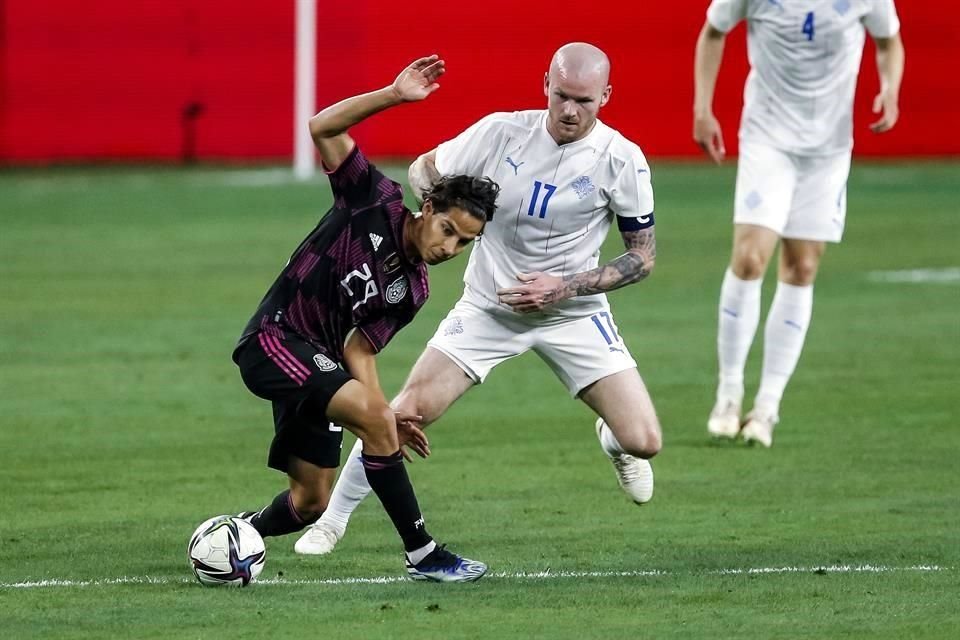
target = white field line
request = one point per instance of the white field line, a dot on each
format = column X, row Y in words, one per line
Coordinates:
column 546, row 574
column 918, row 276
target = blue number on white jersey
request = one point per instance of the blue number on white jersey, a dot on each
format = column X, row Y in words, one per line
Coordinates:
column 609, row 332
column 808, row 28
column 548, row 189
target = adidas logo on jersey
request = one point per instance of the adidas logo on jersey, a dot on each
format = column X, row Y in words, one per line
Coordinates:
column 376, row 240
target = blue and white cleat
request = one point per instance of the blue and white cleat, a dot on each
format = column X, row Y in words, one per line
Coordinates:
column 442, row 566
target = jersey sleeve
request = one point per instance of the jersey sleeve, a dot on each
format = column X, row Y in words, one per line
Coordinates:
column 465, row 154
column 882, row 20
column 379, row 332
column 356, row 181
column 724, row 15
column 631, row 198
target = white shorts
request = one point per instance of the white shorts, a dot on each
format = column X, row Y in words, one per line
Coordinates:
column 580, row 351
column 799, row 197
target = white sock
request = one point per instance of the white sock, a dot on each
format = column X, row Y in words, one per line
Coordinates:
column 739, row 315
column 784, row 334
column 351, row 488
column 608, row 442
column 417, row 555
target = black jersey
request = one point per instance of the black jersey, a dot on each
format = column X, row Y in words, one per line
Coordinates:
column 351, row 271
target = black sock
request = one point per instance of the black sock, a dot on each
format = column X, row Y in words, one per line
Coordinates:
column 388, row 478
column 279, row 517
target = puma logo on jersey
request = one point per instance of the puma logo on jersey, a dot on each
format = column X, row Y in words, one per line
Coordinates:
column 376, row 240
column 516, row 166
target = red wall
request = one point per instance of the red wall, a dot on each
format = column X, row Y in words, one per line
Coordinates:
column 113, row 79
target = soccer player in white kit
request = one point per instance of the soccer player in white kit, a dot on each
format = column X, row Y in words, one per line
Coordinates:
column 534, row 281
column 796, row 136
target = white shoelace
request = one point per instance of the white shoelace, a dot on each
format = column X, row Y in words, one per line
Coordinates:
column 627, row 468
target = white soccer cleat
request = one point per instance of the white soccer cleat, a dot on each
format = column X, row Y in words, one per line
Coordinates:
column 635, row 475
column 759, row 427
column 724, row 420
column 319, row 539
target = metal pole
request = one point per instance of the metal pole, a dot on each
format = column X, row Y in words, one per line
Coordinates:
column 305, row 85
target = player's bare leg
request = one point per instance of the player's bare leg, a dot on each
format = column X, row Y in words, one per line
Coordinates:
column 738, row 317
column 434, row 384
column 784, row 334
column 628, row 429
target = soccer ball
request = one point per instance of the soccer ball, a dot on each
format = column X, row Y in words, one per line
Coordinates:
column 226, row 550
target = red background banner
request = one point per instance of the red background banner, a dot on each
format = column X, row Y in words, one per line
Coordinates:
column 181, row 79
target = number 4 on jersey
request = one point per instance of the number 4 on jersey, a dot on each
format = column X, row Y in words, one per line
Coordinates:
column 808, row 29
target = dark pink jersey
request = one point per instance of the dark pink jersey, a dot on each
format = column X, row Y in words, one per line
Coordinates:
column 351, row 271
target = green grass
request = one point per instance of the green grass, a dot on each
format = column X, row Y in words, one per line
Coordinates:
column 124, row 424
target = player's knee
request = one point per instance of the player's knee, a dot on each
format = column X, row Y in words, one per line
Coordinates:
column 414, row 400
column 644, row 442
column 749, row 263
column 379, row 431
column 800, row 271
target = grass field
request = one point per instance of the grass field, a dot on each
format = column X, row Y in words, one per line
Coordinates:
column 125, row 424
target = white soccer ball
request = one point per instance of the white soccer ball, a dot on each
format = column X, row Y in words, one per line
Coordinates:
column 226, row 550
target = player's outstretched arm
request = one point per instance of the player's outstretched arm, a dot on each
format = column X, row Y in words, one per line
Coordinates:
column 329, row 127
column 890, row 61
column 540, row 290
column 706, row 67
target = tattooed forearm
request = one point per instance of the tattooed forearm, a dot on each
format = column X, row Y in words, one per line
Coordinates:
column 633, row 266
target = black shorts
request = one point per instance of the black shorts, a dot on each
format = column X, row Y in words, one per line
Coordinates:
column 300, row 381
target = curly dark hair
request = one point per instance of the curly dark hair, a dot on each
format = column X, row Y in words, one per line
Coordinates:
column 476, row 196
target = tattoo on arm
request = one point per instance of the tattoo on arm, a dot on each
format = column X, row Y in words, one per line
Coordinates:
column 633, row 266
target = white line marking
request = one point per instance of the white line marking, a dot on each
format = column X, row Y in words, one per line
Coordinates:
column 546, row 574
column 918, row 276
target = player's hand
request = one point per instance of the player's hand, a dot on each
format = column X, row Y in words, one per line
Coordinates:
column 707, row 134
column 885, row 104
column 411, row 435
column 419, row 80
column 538, row 291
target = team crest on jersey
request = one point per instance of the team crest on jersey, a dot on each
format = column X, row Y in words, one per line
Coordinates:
column 583, row 186
column 324, row 363
column 453, row 327
column 396, row 290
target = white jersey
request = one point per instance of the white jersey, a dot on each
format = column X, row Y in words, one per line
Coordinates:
column 556, row 202
column 804, row 59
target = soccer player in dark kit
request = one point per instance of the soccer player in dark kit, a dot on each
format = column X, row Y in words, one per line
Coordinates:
column 356, row 280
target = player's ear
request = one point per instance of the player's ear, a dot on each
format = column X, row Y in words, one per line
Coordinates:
column 546, row 84
column 605, row 96
column 425, row 211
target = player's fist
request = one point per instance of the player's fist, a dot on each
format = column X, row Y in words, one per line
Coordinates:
column 419, row 80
